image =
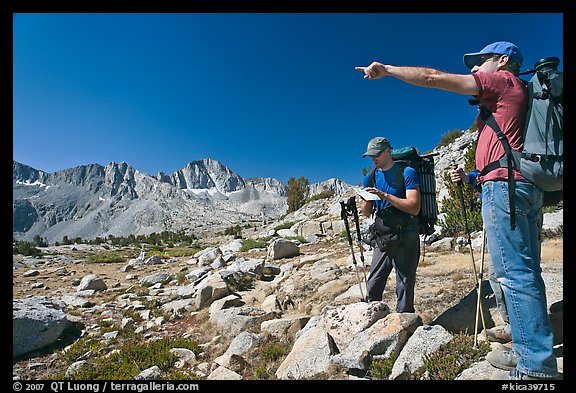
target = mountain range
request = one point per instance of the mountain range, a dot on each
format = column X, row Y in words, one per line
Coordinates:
column 90, row 201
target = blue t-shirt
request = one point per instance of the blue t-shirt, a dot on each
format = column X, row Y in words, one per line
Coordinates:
column 390, row 181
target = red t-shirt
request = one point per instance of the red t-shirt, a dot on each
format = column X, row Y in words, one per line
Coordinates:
column 507, row 98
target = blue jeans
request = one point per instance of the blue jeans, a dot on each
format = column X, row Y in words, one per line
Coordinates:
column 498, row 295
column 515, row 258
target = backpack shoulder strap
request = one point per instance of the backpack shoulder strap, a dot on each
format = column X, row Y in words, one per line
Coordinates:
column 372, row 183
column 400, row 173
column 489, row 119
column 372, row 178
column 510, row 160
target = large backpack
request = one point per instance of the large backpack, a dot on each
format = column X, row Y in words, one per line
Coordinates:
column 424, row 166
column 542, row 159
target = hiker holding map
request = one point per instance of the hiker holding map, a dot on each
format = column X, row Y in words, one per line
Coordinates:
column 395, row 236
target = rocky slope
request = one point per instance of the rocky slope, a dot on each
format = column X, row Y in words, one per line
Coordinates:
column 235, row 302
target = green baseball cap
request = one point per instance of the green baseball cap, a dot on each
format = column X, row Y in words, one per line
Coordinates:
column 376, row 146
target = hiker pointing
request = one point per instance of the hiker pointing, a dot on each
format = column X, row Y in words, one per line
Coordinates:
column 515, row 252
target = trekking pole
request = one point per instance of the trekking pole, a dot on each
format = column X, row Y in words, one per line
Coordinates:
column 351, row 205
column 344, row 215
column 478, row 283
column 478, row 305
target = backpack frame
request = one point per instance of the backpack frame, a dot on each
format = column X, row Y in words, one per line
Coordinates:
column 424, row 166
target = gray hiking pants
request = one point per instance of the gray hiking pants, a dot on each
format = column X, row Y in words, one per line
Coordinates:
column 405, row 261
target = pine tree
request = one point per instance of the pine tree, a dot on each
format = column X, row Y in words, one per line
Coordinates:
column 453, row 221
column 296, row 193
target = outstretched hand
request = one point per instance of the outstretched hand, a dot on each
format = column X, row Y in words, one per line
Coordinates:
column 373, row 71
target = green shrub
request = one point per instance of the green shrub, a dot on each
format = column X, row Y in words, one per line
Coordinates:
column 453, row 222
column 26, row 248
column 285, row 225
column 381, row 368
column 552, row 209
column 323, row 195
column 81, row 347
column 175, row 252
column 249, row 244
column 262, row 371
column 297, row 238
column 266, row 359
column 235, row 231
column 106, row 257
column 180, row 277
column 449, row 137
column 452, row 358
column 131, row 358
column 273, row 352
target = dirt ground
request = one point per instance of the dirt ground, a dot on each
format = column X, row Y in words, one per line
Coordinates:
column 56, row 279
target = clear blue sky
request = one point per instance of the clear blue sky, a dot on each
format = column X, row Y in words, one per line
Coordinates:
column 266, row 94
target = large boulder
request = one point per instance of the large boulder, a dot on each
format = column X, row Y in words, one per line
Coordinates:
column 38, row 321
column 283, row 248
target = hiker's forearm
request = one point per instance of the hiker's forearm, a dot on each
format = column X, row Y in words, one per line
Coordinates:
column 410, row 204
column 424, row 77
column 432, row 78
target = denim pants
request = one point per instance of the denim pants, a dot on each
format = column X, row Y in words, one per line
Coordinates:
column 405, row 261
column 498, row 295
column 515, row 258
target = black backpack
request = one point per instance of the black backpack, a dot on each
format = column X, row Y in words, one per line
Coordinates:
column 424, row 166
column 541, row 161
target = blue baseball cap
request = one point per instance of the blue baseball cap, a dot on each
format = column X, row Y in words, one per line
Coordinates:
column 498, row 48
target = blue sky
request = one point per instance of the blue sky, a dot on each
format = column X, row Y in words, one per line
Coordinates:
column 266, row 94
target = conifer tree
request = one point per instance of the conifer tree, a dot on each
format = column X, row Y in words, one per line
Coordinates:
column 296, row 193
column 453, row 221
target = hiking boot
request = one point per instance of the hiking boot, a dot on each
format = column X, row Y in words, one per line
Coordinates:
column 499, row 334
column 515, row 375
column 505, row 360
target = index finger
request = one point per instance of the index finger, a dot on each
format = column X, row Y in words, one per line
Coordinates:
column 360, row 68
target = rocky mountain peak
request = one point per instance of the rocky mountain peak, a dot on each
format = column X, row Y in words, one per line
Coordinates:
column 25, row 173
column 336, row 185
column 120, row 179
column 207, row 174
